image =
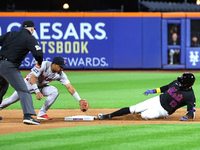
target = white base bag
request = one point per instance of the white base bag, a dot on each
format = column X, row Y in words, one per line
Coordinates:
column 80, row 118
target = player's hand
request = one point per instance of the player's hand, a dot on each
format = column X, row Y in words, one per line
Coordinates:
column 37, row 65
column 84, row 105
column 149, row 92
column 39, row 96
column 182, row 119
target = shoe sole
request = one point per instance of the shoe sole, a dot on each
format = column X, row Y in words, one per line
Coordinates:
column 40, row 118
column 30, row 122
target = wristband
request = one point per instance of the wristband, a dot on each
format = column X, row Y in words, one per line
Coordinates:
column 35, row 88
column 158, row 90
column 76, row 96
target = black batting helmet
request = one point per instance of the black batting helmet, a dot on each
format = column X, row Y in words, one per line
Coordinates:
column 187, row 80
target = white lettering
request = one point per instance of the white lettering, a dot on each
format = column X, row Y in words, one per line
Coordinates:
column 30, row 62
column 85, row 28
column 59, row 32
column 96, row 61
column 27, row 63
column 35, row 34
column 53, row 31
column 44, row 30
column 75, row 62
column 81, row 62
column 194, row 57
column 88, row 61
column 14, row 24
column 48, row 59
column 103, row 62
column 72, row 62
column 98, row 29
column 71, row 31
column 33, row 62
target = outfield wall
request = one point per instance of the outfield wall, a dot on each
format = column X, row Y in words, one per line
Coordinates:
column 105, row 40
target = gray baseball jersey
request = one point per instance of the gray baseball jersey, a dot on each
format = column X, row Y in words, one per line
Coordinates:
column 45, row 75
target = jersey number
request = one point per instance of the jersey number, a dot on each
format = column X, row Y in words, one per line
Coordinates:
column 173, row 103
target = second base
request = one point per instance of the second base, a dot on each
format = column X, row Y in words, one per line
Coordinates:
column 80, row 118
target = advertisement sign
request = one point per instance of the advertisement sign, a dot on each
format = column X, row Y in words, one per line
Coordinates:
column 87, row 40
column 82, row 42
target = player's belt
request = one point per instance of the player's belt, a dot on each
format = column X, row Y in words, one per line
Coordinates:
column 4, row 58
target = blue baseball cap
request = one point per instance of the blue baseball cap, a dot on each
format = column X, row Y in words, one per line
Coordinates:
column 59, row 61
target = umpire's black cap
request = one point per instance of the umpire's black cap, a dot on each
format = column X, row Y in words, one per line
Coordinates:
column 59, row 61
column 28, row 23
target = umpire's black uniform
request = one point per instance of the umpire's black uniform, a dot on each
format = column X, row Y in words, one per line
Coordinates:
column 15, row 47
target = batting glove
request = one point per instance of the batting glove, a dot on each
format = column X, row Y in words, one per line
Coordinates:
column 149, row 92
column 182, row 119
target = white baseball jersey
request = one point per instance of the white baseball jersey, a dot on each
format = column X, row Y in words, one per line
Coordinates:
column 45, row 75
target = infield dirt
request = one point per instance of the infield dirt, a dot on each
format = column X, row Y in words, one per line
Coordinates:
column 12, row 119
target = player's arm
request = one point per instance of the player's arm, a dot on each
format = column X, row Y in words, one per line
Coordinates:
column 33, row 81
column 37, row 65
column 190, row 112
column 35, row 49
column 72, row 91
column 158, row 90
column 84, row 105
column 65, row 81
column 190, row 115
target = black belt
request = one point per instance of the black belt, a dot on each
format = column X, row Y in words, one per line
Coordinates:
column 3, row 58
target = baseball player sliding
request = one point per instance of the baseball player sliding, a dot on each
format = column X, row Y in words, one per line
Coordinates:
column 177, row 94
column 37, row 82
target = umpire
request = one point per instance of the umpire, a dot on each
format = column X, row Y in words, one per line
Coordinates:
column 15, row 46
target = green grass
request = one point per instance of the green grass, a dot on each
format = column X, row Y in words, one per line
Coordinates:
column 138, row 137
column 108, row 90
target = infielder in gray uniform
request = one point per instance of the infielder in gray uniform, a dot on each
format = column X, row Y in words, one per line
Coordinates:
column 37, row 82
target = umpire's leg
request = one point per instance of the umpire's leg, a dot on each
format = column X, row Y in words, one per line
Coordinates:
column 17, row 82
column 3, row 88
column 15, row 79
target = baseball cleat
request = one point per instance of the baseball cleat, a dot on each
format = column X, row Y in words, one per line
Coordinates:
column 30, row 120
column 102, row 116
column 44, row 117
column 0, row 118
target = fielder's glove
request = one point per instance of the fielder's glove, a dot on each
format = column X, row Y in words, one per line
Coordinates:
column 149, row 92
column 84, row 105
